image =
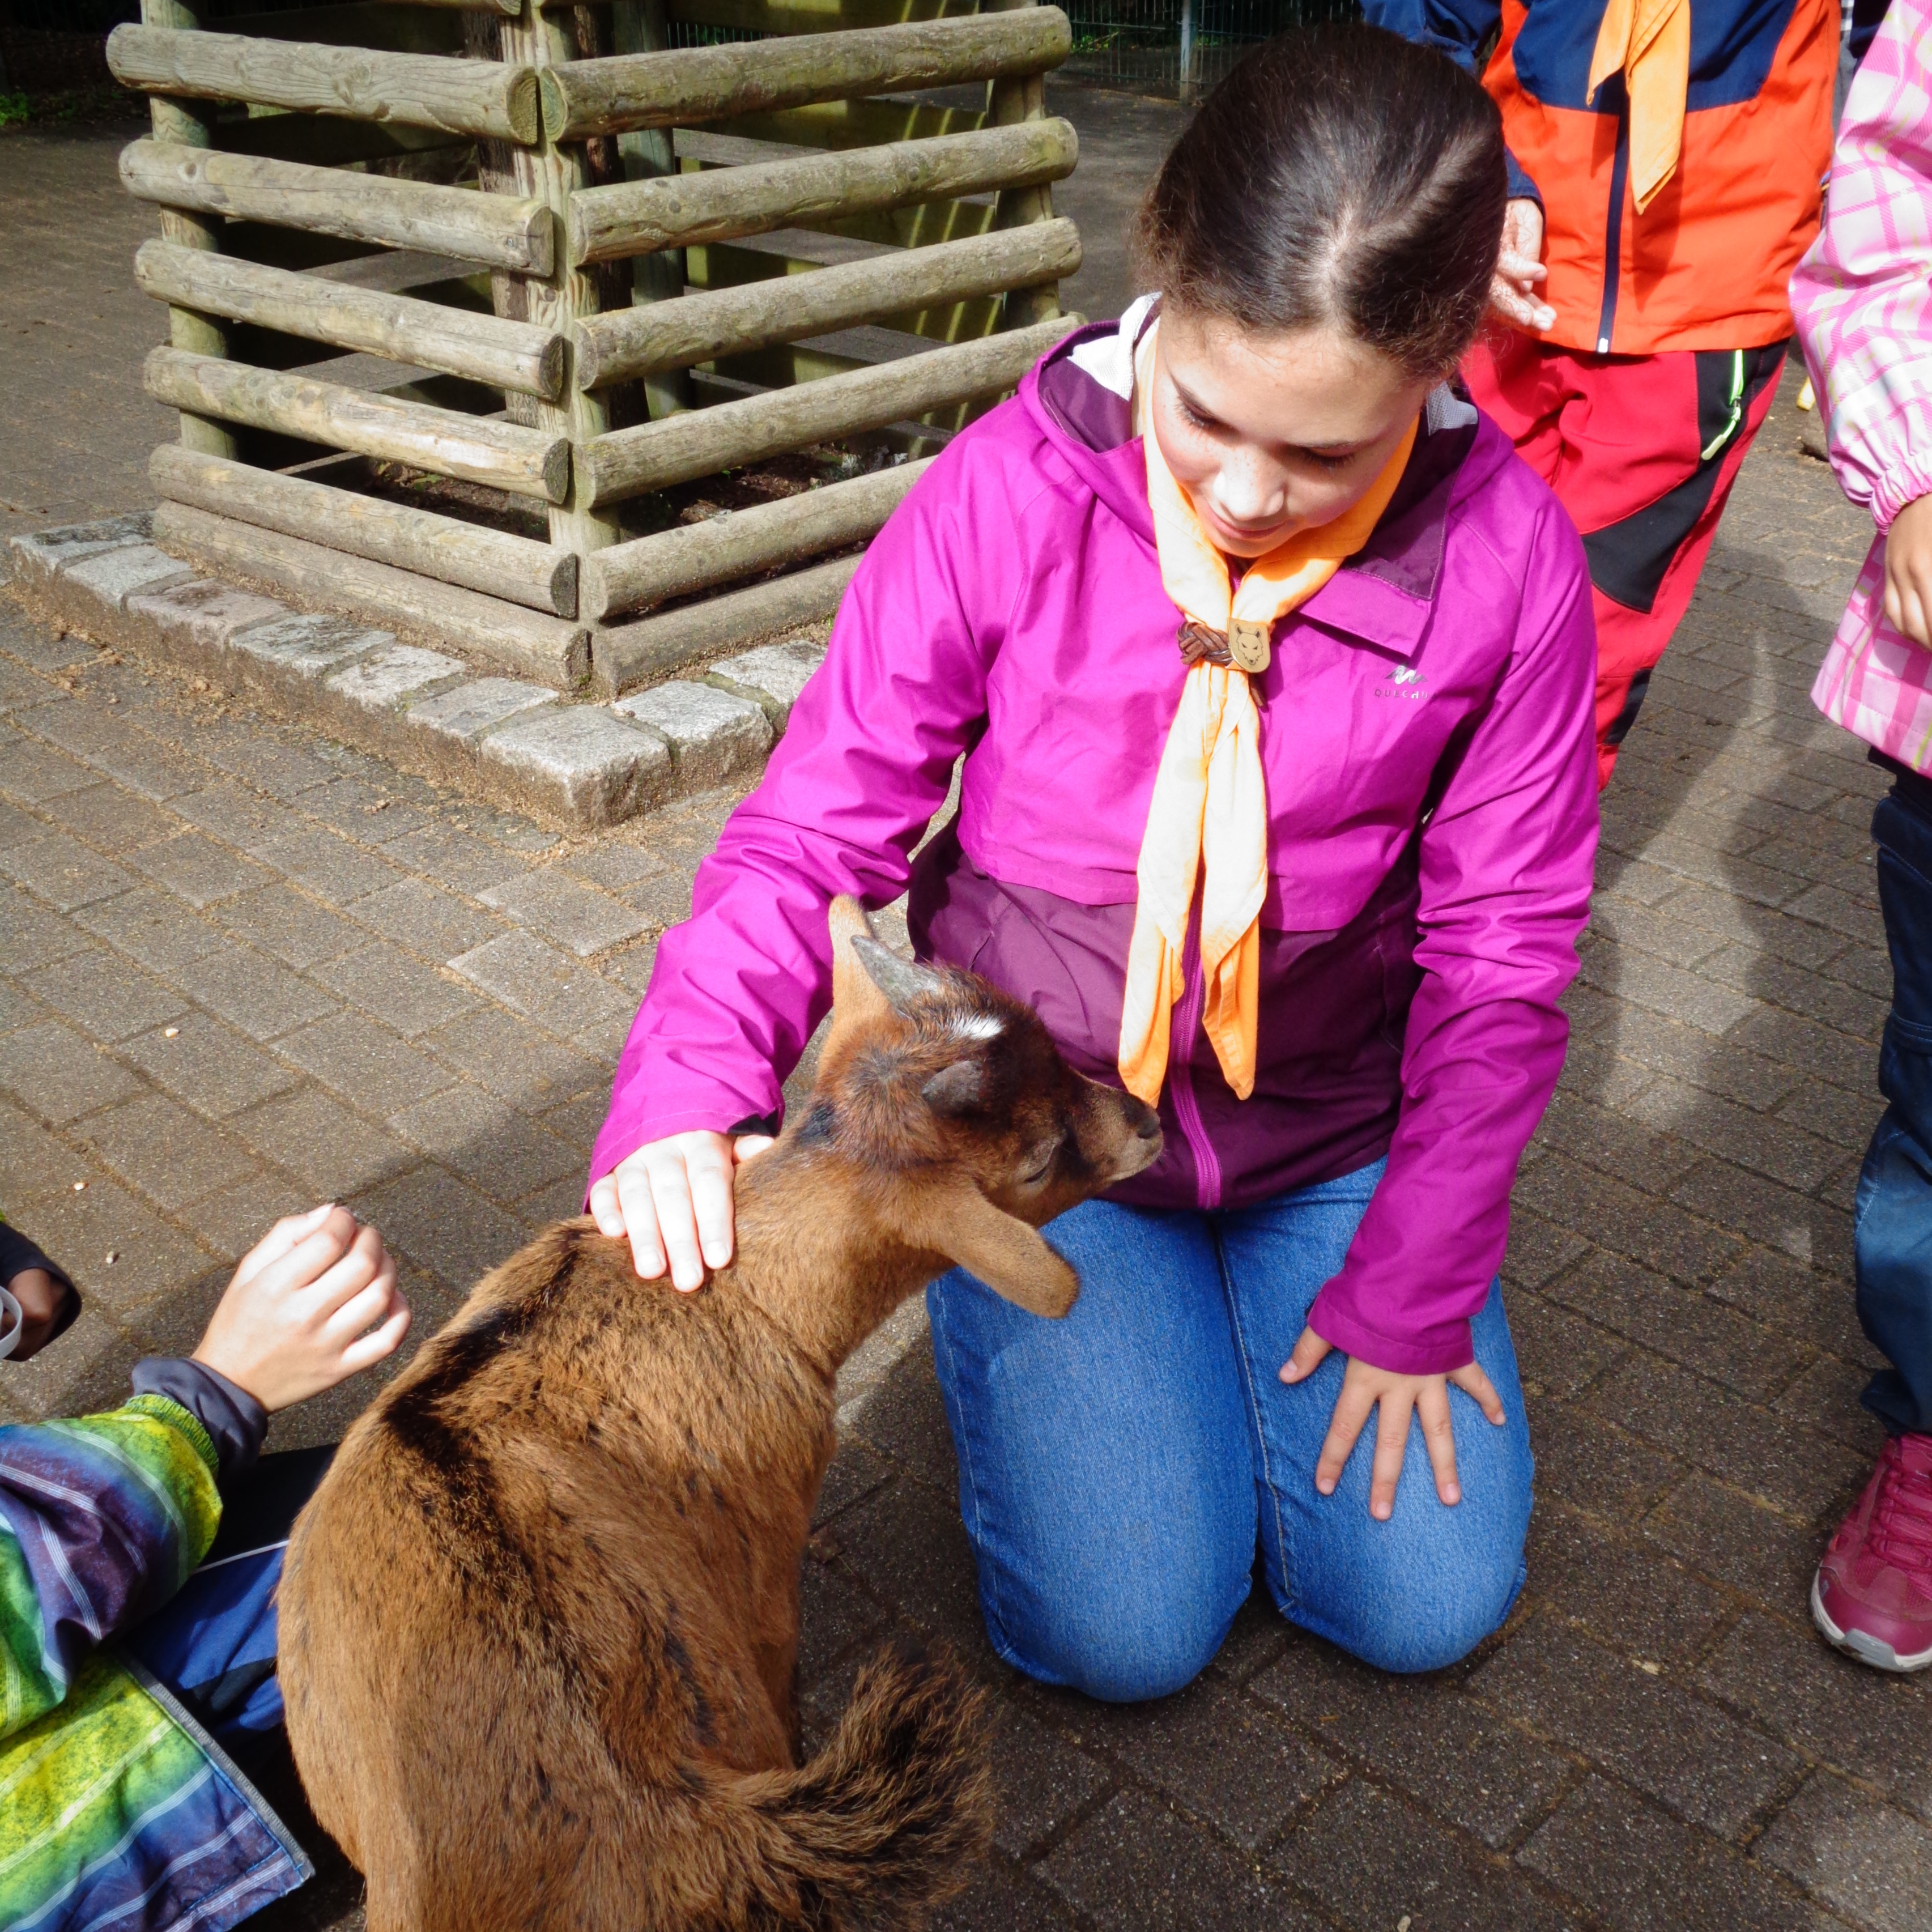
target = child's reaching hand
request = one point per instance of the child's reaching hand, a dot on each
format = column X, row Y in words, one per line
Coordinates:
column 311, row 1304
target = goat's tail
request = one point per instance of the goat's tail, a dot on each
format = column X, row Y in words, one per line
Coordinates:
column 880, row 1825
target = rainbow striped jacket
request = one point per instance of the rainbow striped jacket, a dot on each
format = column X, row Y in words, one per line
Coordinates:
column 116, row 1808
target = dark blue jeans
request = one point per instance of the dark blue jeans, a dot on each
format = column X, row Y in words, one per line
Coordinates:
column 1893, row 1218
column 1115, row 1468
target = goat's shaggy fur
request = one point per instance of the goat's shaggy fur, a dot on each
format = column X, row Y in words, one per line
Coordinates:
column 539, row 1624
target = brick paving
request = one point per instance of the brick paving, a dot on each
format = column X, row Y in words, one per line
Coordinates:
column 240, row 967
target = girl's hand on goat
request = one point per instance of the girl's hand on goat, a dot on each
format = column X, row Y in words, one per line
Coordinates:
column 1365, row 1388
column 1908, row 571
column 313, row 1302
column 674, row 1199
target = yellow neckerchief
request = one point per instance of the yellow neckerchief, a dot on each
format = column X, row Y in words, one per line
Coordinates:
column 1210, row 804
column 1649, row 42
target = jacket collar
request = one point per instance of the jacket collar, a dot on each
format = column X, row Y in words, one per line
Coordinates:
column 1081, row 397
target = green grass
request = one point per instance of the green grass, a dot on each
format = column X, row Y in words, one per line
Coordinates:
column 79, row 103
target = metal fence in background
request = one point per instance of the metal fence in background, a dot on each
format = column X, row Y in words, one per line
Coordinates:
column 1179, row 47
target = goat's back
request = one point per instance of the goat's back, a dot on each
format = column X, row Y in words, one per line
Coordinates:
column 552, row 1572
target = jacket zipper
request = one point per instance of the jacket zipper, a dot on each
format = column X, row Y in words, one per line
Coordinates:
column 1180, row 1072
column 1613, row 240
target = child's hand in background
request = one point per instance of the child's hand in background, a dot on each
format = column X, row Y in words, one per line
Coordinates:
column 41, row 1298
column 1908, row 571
column 312, row 1303
column 1520, row 272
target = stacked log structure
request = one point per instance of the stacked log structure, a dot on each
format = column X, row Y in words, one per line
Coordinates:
column 458, row 289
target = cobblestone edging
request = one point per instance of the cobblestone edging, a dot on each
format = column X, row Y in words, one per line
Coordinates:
column 584, row 765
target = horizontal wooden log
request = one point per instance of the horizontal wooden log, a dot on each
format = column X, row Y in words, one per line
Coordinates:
column 655, row 455
column 720, row 266
column 626, row 656
column 676, row 211
column 528, row 462
column 813, row 16
column 693, row 84
column 489, row 228
column 728, row 321
column 671, row 563
column 480, row 98
column 553, row 650
column 498, row 565
column 505, row 354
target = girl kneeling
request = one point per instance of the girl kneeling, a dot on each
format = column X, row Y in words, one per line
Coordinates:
column 1271, row 668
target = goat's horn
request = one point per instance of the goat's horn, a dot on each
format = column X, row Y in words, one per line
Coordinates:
column 901, row 980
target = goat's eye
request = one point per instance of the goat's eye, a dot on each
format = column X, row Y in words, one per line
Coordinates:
column 1041, row 1167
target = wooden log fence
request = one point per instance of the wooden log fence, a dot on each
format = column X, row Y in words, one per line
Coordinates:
column 725, row 203
column 508, row 354
column 419, row 90
column 298, row 231
column 704, row 327
column 694, row 84
column 490, row 229
column 524, row 572
column 655, row 455
column 552, row 649
column 526, row 462
column 674, row 563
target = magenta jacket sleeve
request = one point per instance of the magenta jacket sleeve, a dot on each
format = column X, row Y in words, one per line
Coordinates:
column 1507, row 862
column 865, row 761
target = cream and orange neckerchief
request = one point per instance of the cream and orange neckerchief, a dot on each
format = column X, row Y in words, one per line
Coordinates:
column 1210, row 808
column 1649, row 42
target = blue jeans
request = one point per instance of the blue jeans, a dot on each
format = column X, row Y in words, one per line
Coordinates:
column 1116, row 1467
column 1892, row 1223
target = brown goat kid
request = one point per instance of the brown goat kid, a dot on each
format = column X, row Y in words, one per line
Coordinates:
column 539, row 1624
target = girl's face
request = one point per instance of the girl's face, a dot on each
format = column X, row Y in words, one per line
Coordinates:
column 1273, row 433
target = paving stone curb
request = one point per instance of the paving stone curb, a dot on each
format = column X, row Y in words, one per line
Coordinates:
column 581, row 765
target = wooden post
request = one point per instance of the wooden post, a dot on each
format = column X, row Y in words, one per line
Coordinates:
column 1009, row 100
column 552, row 172
column 637, row 27
column 175, row 121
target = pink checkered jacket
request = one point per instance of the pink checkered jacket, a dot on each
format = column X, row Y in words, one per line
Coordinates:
column 1863, row 299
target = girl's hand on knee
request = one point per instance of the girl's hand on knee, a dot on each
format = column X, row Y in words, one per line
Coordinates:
column 674, row 1199
column 313, row 1302
column 1366, row 1390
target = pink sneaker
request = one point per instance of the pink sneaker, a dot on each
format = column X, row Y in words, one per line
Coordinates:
column 1873, row 1594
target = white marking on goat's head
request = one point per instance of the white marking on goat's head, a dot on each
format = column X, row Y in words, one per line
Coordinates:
column 979, row 1026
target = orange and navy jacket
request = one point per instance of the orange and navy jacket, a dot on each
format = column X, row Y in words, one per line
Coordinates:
column 1705, row 266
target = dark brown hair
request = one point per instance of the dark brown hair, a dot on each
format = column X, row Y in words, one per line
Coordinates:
column 1339, row 176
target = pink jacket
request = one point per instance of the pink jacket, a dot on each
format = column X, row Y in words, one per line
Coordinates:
column 1427, row 741
column 1863, row 298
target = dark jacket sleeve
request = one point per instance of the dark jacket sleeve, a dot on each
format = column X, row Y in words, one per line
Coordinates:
column 1460, row 28
column 235, row 1421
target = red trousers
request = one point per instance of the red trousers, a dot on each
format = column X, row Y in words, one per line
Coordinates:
column 1641, row 451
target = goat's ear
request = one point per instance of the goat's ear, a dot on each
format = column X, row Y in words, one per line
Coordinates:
column 954, row 1219
column 855, row 999
column 954, row 1089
